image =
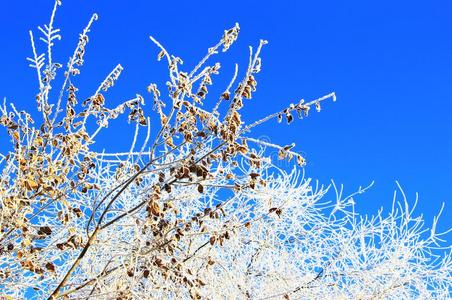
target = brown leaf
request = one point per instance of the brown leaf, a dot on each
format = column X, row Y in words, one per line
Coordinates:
column 225, row 96
column 45, row 230
column 161, row 177
column 254, row 175
column 289, row 118
column 15, row 135
column 161, row 54
column 51, row 267
column 154, row 208
column 282, row 154
column 300, row 160
column 30, row 184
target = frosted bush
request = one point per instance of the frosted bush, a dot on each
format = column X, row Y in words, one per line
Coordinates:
column 199, row 210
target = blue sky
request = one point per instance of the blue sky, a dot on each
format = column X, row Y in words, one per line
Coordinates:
column 390, row 63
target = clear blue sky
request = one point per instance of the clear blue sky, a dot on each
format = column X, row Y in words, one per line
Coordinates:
column 390, row 63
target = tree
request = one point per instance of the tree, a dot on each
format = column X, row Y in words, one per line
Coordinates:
column 199, row 210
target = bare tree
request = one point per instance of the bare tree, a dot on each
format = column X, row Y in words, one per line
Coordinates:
column 199, row 210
